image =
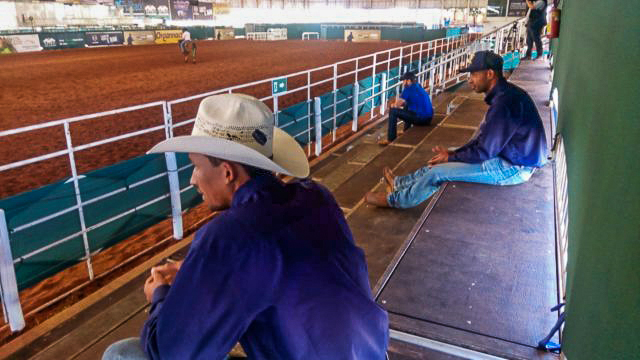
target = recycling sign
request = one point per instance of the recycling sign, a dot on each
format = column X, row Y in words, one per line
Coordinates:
column 278, row 86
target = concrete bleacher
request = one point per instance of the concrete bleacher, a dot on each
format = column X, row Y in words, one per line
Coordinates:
column 417, row 273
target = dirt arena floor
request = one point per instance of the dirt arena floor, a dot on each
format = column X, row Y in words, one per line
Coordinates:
column 52, row 85
column 46, row 86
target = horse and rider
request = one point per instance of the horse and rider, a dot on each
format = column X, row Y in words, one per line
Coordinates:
column 187, row 46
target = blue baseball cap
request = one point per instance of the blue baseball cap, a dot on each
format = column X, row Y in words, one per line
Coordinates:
column 484, row 60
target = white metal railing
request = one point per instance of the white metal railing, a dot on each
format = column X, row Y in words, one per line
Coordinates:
column 562, row 214
column 437, row 63
column 309, row 34
column 561, row 197
column 256, row 36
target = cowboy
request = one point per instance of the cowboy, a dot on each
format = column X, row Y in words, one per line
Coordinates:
column 186, row 37
column 277, row 269
column 508, row 147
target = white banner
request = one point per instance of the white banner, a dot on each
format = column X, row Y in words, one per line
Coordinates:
column 21, row 43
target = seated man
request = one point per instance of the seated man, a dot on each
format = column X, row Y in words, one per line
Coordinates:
column 186, row 37
column 277, row 269
column 509, row 145
column 413, row 106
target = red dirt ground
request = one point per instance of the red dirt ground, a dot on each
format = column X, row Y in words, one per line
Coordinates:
column 45, row 86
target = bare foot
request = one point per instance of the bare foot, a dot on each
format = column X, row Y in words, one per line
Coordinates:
column 384, row 142
column 378, row 199
column 389, row 177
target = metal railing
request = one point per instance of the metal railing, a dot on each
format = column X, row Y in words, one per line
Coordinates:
column 437, row 62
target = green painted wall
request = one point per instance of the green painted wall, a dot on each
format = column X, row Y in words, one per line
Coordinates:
column 597, row 73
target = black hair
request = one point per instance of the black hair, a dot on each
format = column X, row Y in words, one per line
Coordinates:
column 409, row 75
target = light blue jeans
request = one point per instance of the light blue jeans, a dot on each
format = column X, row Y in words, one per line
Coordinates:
column 414, row 188
column 127, row 349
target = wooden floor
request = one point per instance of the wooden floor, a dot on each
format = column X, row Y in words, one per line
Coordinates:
column 349, row 173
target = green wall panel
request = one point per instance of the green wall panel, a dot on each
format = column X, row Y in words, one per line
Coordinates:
column 597, row 76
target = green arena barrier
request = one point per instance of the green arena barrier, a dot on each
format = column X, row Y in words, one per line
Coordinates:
column 124, row 199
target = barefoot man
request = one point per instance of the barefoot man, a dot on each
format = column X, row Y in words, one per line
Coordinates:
column 508, row 147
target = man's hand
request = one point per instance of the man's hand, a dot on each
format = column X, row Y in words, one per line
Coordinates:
column 156, row 279
column 169, row 270
column 442, row 156
column 397, row 104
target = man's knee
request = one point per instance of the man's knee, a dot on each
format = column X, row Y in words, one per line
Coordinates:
column 130, row 349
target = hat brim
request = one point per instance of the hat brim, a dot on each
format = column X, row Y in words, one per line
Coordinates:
column 288, row 156
column 469, row 69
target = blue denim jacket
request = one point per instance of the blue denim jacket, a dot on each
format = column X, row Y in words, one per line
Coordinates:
column 512, row 130
column 279, row 271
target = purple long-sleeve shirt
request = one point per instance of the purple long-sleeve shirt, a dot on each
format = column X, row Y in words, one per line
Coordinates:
column 512, row 130
column 279, row 272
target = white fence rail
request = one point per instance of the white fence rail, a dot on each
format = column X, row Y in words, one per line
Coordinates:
column 439, row 71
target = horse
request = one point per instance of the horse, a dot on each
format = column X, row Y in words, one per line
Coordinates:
column 189, row 48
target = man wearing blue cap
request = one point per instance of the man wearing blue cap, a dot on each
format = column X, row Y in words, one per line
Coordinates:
column 507, row 148
column 413, row 106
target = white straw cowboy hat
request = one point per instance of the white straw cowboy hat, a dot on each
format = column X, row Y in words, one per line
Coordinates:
column 240, row 128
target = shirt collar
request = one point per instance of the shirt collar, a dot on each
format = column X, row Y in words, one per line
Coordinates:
column 498, row 88
column 253, row 188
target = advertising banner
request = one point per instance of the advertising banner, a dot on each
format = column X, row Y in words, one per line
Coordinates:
column 131, row 7
column 168, row 36
column 157, row 8
column 104, row 38
column 61, row 40
column 518, row 8
column 361, row 35
column 19, row 43
column 204, row 11
column 139, row 37
column 181, row 10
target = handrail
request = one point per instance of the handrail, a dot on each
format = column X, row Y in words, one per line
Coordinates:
column 438, row 71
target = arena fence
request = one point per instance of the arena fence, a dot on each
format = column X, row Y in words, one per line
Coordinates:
column 310, row 35
column 49, row 229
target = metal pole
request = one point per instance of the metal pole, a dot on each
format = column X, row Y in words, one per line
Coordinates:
column 400, row 63
column 275, row 109
column 174, row 190
column 335, row 100
column 373, row 85
column 420, row 58
column 172, row 174
column 432, row 76
column 355, row 100
column 308, row 112
column 8, row 284
column 76, row 187
column 317, row 106
column 383, row 98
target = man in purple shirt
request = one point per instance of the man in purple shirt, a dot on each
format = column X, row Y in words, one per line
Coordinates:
column 276, row 270
column 508, row 147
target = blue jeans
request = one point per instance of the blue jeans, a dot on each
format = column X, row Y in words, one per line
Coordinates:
column 127, row 349
column 412, row 189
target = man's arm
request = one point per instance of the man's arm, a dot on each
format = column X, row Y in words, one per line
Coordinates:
column 218, row 291
column 498, row 129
